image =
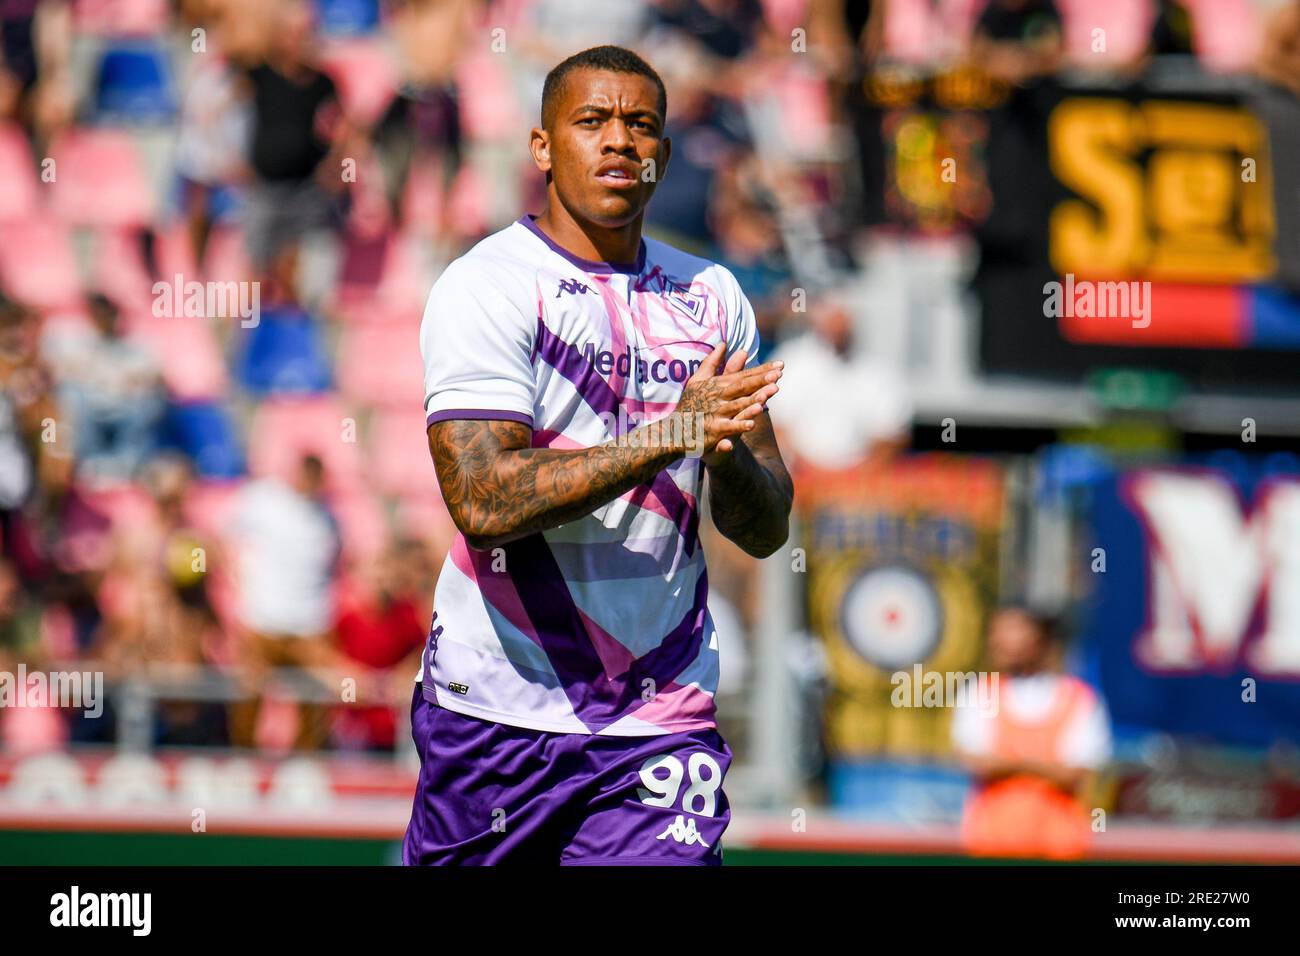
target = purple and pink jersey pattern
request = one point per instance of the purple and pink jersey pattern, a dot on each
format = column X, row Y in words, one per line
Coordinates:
column 599, row 626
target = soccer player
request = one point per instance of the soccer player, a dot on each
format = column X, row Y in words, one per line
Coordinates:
column 579, row 382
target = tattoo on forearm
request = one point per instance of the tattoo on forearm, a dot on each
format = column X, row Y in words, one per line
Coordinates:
column 499, row 489
column 750, row 502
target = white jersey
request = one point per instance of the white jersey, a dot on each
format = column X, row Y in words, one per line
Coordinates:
column 599, row 626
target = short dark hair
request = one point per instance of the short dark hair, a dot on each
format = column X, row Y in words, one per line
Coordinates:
column 615, row 59
column 1051, row 625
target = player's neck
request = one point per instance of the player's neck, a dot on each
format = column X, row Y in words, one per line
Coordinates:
column 619, row 245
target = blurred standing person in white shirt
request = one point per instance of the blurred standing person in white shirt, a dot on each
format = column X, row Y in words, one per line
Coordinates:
column 1033, row 749
column 839, row 406
column 287, row 544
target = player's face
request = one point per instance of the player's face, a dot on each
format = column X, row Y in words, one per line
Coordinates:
column 606, row 150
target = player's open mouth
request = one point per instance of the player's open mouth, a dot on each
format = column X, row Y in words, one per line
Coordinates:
column 617, row 177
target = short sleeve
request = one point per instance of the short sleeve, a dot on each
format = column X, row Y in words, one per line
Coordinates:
column 476, row 343
column 1086, row 741
column 972, row 726
column 742, row 328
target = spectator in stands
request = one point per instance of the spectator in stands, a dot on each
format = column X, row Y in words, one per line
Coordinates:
column 725, row 29
column 1279, row 55
column 383, row 629
column 546, row 31
column 1172, row 30
column 422, row 125
column 15, row 464
column 157, row 629
column 743, row 216
column 838, row 407
column 1033, row 748
column 299, row 139
column 111, row 386
column 1018, row 40
column 25, row 729
column 213, row 120
column 35, row 45
column 166, row 545
column 287, row 546
column 709, row 135
column 20, row 620
column 60, row 544
column 27, row 392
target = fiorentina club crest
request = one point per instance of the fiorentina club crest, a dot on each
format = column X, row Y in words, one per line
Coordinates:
column 687, row 301
column 678, row 293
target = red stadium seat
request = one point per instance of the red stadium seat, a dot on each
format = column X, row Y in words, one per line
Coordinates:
column 285, row 429
column 379, row 364
column 361, row 524
column 209, row 505
column 426, row 516
column 805, row 105
column 226, row 258
column 174, row 255
column 193, row 367
column 469, row 204
column 121, row 17
column 402, row 280
column 1127, row 24
column 126, row 505
column 119, row 270
column 1226, row 32
column 465, row 205
column 100, row 179
column 32, row 730
column 37, row 265
column 422, row 200
column 19, row 198
column 366, row 77
column 489, row 108
column 399, row 452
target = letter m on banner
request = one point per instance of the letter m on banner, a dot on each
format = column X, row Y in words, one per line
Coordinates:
column 1218, row 572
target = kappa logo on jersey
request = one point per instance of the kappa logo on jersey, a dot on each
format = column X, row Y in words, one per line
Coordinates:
column 572, row 286
column 683, row 831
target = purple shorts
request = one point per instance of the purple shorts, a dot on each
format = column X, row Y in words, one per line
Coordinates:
column 492, row 793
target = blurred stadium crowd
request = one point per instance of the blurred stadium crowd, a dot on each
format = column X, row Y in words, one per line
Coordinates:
column 190, row 496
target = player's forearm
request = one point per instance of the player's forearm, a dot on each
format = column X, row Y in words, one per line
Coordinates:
column 750, row 500
column 498, row 495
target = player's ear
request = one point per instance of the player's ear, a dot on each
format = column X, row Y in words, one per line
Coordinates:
column 539, row 144
column 667, row 146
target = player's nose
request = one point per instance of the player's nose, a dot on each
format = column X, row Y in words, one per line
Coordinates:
column 618, row 137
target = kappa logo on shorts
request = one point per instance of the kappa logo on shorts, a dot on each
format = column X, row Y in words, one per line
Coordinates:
column 683, row 831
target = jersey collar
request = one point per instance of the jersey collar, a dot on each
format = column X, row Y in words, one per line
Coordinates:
column 587, row 265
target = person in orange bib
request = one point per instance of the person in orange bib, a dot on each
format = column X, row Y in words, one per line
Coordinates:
column 1033, row 748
